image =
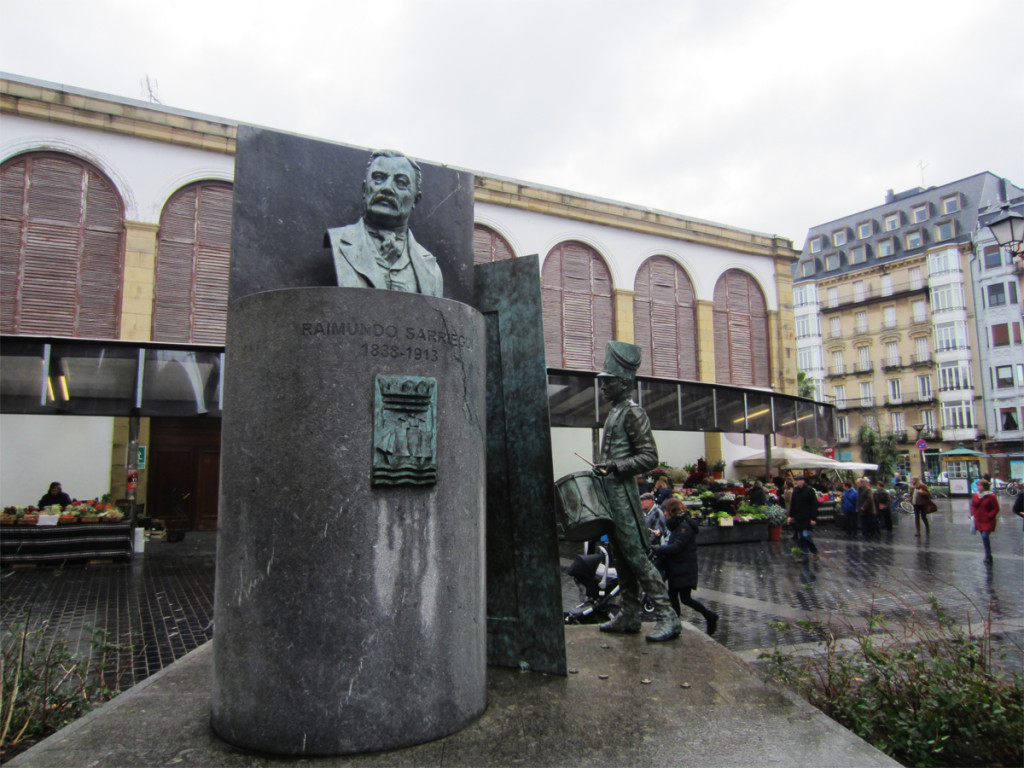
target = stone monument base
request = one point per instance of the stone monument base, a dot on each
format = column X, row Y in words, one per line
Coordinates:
column 350, row 600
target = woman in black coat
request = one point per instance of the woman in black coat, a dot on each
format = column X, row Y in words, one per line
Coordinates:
column 678, row 558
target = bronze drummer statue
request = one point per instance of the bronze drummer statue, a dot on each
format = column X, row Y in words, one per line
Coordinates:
column 628, row 449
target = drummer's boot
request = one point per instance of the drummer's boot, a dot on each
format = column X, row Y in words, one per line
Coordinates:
column 627, row 620
column 667, row 628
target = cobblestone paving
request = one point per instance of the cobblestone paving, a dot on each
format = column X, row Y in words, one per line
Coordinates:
column 162, row 603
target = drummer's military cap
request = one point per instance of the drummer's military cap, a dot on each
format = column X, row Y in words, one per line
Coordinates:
column 621, row 359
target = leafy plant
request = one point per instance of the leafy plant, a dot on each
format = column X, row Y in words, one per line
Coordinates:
column 775, row 515
column 883, row 451
column 923, row 690
column 45, row 686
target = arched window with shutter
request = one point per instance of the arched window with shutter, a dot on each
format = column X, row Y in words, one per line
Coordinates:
column 489, row 246
column 190, row 298
column 665, row 320
column 742, row 351
column 61, row 248
column 578, row 307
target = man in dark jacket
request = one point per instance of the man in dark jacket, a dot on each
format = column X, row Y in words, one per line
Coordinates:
column 678, row 558
column 803, row 514
column 866, row 510
column 54, row 496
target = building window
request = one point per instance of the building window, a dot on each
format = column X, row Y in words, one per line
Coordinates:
column 839, row 238
column 1001, row 334
column 805, row 294
column 886, row 247
column 898, row 425
column 954, row 376
column 865, row 230
column 922, row 353
column 891, row 222
column 860, row 322
column 838, row 366
column 950, row 336
column 996, row 295
column 895, row 391
column 805, row 326
column 887, row 285
column 858, row 291
column 843, row 428
column 916, row 279
column 489, row 246
column 836, row 327
column 1003, row 377
column 808, row 358
column 867, row 396
column 951, row 204
column 919, row 213
column 859, row 254
column 928, row 419
column 870, row 421
column 578, row 307
column 833, row 297
column 946, row 260
column 832, row 262
column 924, row 386
column 665, row 320
column 914, row 240
column 958, row 415
column 889, row 317
column 892, row 353
column 944, row 231
column 63, row 248
column 742, row 351
column 993, row 257
column 839, row 394
column 815, row 244
column 807, row 268
column 920, row 309
column 1008, row 420
column 947, row 297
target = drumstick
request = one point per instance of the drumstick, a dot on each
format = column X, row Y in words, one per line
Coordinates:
column 585, row 459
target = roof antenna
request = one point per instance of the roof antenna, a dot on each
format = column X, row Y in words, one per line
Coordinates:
column 922, row 165
column 151, row 88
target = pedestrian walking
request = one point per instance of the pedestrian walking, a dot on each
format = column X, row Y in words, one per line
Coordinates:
column 923, row 506
column 985, row 511
column 678, row 558
column 803, row 515
column 848, row 508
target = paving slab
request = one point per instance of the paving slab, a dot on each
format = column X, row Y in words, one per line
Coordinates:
column 689, row 702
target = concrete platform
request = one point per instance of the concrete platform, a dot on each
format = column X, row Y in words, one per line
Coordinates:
column 627, row 702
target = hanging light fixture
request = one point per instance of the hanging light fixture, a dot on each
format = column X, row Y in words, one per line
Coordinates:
column 1007, row 226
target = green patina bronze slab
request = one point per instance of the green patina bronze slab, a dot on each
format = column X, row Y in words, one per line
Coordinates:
column 404, row 430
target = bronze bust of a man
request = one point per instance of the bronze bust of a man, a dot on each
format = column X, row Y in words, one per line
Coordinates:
column 379, row 250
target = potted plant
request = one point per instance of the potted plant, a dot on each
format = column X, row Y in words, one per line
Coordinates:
column 718, row 469
column 776, row 517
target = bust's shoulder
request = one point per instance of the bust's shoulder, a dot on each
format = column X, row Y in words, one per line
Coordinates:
column 345, row 234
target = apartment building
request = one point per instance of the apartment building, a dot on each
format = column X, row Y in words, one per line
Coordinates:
column 886, row 313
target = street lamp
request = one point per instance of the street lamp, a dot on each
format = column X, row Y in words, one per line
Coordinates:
column 920, row 428
column 1007, row 226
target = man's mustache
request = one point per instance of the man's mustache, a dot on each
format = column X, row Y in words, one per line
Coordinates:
column 385, row 197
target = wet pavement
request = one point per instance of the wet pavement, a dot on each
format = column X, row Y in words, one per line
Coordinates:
column 159, row 607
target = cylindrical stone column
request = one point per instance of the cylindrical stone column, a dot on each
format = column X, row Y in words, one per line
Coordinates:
column 350, row 602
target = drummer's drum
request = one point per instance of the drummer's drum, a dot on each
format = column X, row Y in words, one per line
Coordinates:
column 582, row 506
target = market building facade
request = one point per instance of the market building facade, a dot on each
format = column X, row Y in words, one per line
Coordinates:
column 116, row 243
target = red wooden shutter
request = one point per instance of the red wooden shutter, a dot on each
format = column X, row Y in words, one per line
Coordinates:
column 489, row 246
column 193, row 253
column 62, row 248
column 741, row 331
column 664, row 320
column 579, row 312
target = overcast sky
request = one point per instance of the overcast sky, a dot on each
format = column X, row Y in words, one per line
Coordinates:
column 773, row 116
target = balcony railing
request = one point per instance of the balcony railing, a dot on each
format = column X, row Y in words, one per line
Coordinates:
column 837, row 370
column 861, row 402
column 892, row 362
column 921, row 359
column 864, row 366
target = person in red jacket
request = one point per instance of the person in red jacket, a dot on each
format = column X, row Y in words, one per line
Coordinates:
column 985, row 510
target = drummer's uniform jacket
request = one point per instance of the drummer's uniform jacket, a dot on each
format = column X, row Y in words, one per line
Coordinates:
column 629, row 442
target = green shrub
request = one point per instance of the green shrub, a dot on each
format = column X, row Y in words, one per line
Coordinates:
column 922, row 690
column 45, row 686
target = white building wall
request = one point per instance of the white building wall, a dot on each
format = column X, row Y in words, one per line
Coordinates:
column 146, row 173
column 38, row 450
column 624, row 250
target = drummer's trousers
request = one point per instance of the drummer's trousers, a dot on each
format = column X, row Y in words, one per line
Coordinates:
column 635, row 570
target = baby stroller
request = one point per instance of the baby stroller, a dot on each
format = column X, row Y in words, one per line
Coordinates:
column 599, row 582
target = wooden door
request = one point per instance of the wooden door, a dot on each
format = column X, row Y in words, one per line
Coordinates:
column 184, row 480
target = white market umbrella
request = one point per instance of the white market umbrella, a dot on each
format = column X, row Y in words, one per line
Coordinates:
column 780, row 456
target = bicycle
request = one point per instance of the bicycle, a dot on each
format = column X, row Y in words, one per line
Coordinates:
column 1011, row 488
